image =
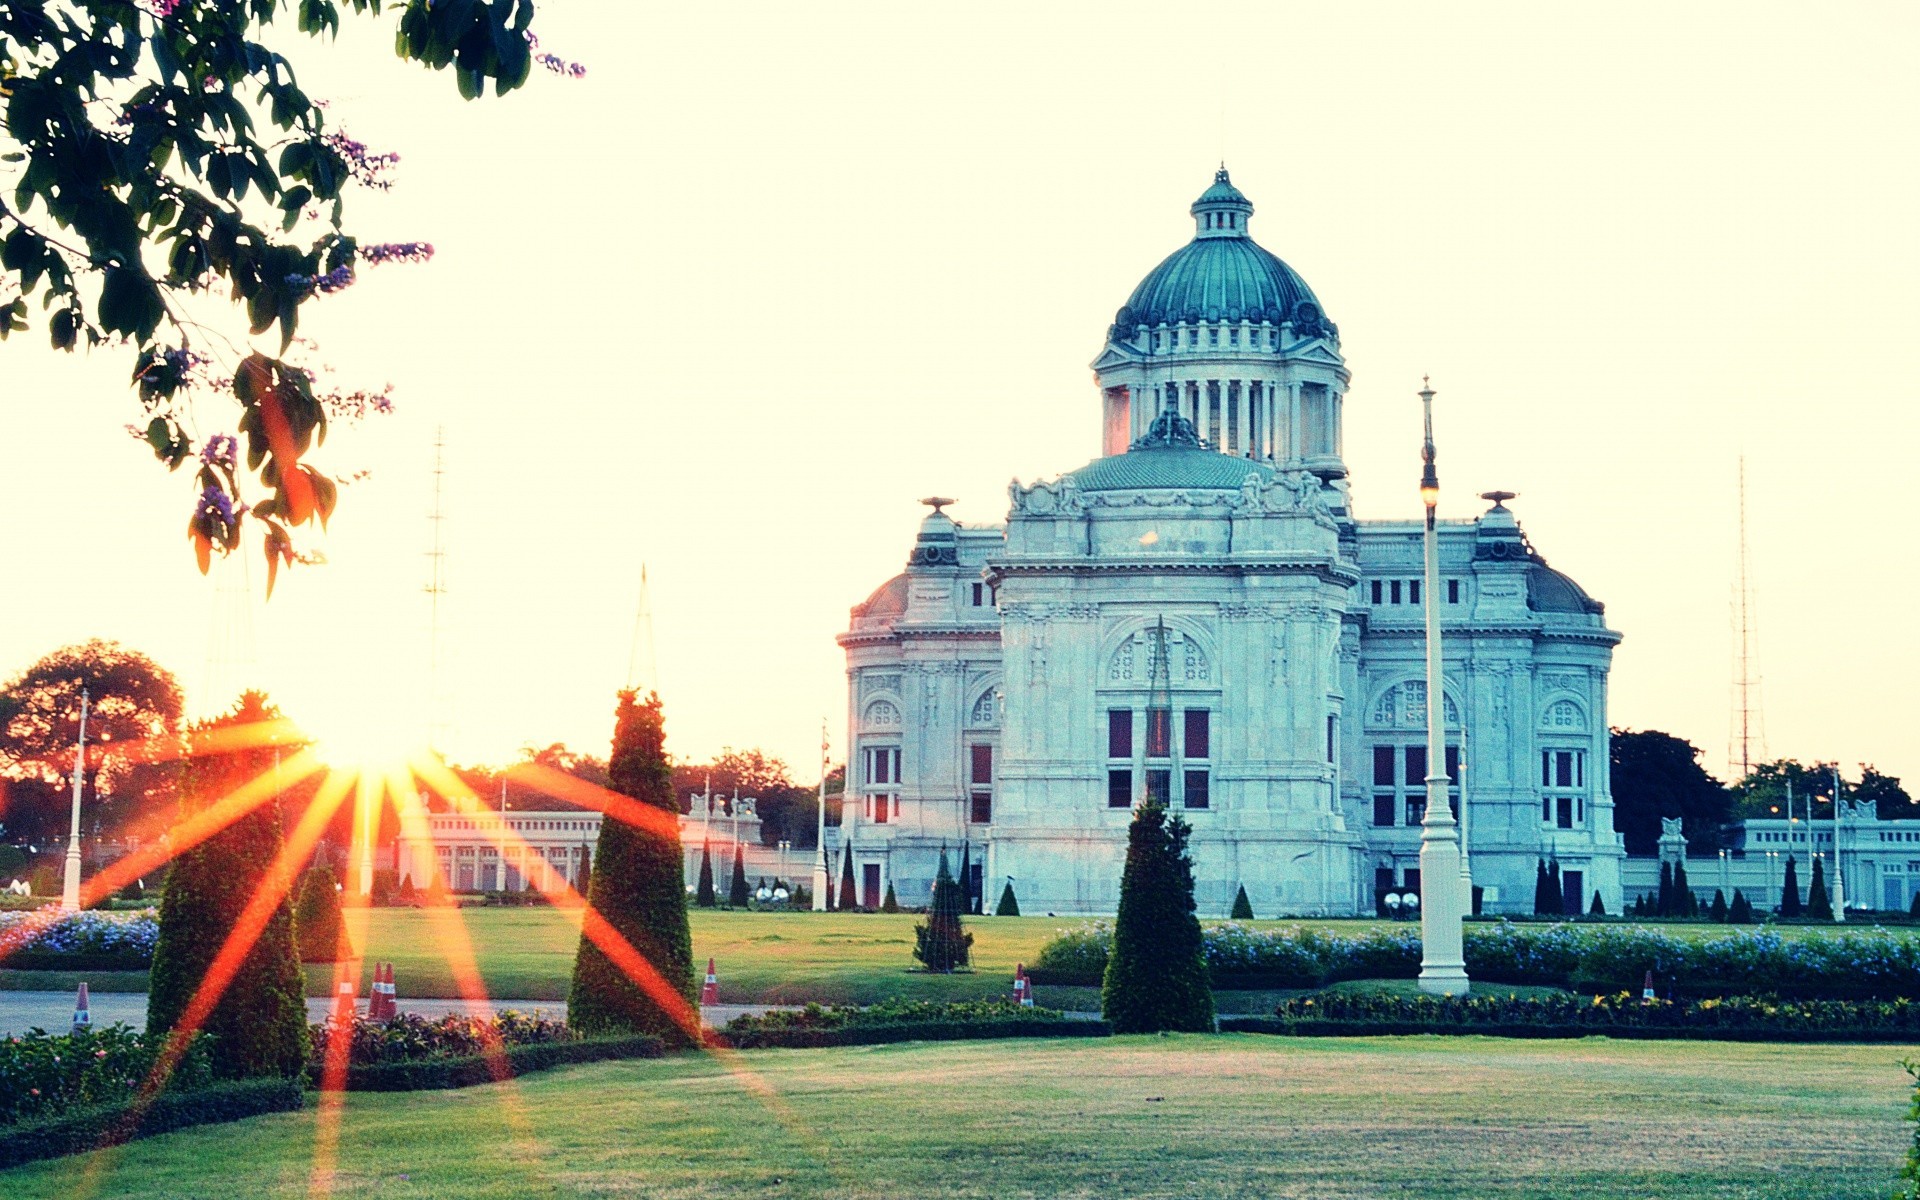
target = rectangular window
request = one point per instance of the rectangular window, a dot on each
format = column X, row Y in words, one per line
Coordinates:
column 1453, row 591
column 1563, row 769
column 1383, row 879
column 1413, row 591
column 1160, row 785
column 1383, row 766
column 1383, row 807
column 981, row 765
column 1563, row 811
column 1453, row 764
column 1393, row 590
column 1197, row 730
column 981, row 808
column 1333, row 738
column 1196, row 789
column 1159, row 732
column 1416, row 766
column 979, row 594
column 1119, row 733
column 1413, row 879
column 1120, row 788
column 883, row 764
column 1377, row 588
column 1416, row 809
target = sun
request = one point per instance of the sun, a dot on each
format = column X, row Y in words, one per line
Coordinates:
column 365, row 734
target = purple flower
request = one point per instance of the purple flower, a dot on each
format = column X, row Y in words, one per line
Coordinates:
column 380, row 252
column 335, row 280
column 363, row 164
column 560, row 66
column 221, row 450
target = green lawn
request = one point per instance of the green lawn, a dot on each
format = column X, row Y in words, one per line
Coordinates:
column 1232, row 1116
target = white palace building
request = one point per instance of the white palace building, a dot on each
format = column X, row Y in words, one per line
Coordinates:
column 1198, row 615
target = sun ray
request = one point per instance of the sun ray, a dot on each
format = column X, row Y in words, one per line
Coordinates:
column 358, row 921
column 260, row 908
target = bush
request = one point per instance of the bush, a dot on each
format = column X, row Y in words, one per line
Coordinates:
column 1242, row 907
column 703, row 894
column 82, row 941
column 442, row 1074
column 639, row 889
column 903, row 1020
column 317, row 922
column 1009, row 905
column 738, row 894
column 1156, row 977
column 111, row 1124
column 410, row 1037
column 892, row 903
column 45, row 1074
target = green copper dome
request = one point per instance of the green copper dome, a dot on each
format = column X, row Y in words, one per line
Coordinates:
column 1222, row 275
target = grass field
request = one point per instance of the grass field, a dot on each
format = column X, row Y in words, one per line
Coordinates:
column 1232, row 1116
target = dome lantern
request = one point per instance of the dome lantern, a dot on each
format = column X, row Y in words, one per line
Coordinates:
column 1221, row 211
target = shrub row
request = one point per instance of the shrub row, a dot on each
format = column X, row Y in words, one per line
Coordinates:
column 51, row 960
column 903, row 1021
column 127, row 936
column 1597, row 958
column 43, row 1075
column 1620, row 1014
column 410, row 1037
column 80, row 1130
column 444, row 1073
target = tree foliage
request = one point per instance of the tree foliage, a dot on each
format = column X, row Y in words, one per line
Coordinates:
column 1790, row 890
column 1009, row 905
column 941, row 944
column 259, row 1024
column 1657, row 775
column 317, row 921
column 153, row 152
column 849, row 894
column 703, row 892
column 1156, row 975
column 1819, row 900
column 133, row 728
column 738, row 895
column 787, row 810
column 639, row 887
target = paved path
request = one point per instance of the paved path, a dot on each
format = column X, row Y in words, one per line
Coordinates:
column 21, row 1011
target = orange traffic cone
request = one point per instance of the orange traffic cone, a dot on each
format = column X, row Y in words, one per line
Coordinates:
column 344, row 1000
column 710, row 990
column 393, row 994
column 82, row 1019
column 383, row 984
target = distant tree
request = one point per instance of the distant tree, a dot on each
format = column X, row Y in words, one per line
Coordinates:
column 1542, row 889
column 738, row 896
column 941, row 944
column 638, row 885
column 586, row 872
column 965, row 879
column 1718, row 912
column 1598, row 907
column 1556, row 890
column 703, row 894
column 787, row 811
column 1242, row 907
column 131, row 700
column 1819, row 902
column 1790, row 891
column 1740, row 912
column 1657, row 775
column 1663, row 906
column 1156, row 975
column 316, row 921
column 259, row 1023
column 1890, row 801
column 849, row 894
column 892, row 903
column 1684, row 905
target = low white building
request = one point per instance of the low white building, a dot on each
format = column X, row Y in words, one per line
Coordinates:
column 499, row 852
column 1197, row 615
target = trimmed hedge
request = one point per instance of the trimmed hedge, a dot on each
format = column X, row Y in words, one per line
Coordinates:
column 443, row 1074
column 1621, row 1015
column 803, row 1037
column 53, row 960
column 1871, row 965
column 111, row 1124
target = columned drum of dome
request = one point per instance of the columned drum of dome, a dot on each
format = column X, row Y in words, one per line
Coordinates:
column 1196, row 615
column 1236, row 340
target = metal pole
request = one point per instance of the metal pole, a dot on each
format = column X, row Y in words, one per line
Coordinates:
column 70, row 887
column 1466, row 868
column 820, row 845
column 1443, row 968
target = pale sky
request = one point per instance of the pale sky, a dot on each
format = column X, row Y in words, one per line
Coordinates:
column 771, row 272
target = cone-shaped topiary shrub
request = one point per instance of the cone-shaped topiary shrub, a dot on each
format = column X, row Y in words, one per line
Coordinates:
column 1790, row 891
column 891, row 903
column 849, row 894
column 941, row 944
column 408, row 894
column 703, row 893
column 259, row 1023
column 1684, row 903
column 1156, row 972
column 1542, row 890
column 737, row 894
column 638, row 887
column 1663, row 907
column 1740, row 912
column 1598, row 908
column 1009, row 905
column 317, row 925
column 586, row 872
column 1819, row 900
column 965, row 880
column 1718, row 912
column 1556, row 891
column 1242, row 907
column 1914, row 908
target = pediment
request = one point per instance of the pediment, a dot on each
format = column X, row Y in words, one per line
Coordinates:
column 1113, row 357
column 1316, row 351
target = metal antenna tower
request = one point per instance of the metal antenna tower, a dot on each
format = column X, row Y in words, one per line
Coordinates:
column 436, row 588
column 642, row 643
column 1748, row 727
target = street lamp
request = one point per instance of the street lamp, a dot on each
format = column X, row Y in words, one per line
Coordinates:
column 784, row 847
column 820, row 842
column 1839, row 883
column 70, row 889
column 1443, row 967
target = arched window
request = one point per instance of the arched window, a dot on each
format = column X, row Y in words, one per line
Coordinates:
column 1563, row 716
column 882, row 714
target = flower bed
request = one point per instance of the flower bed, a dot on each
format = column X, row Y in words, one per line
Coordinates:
column 1872, row 965
column 1621, row 1014
column 903, row 1021
column 410, row 1037
column 44, row 1074
column 87, row 941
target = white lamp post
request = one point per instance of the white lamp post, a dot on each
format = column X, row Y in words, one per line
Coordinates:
column 1443, row 966
column 820, row 843
column 70, row 889
column 1839, row 885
